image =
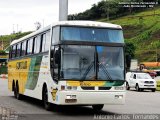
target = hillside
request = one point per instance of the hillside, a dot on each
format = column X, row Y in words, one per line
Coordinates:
column 6, row 39
column 143, row 30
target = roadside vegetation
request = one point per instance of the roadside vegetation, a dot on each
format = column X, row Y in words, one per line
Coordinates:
column 141, row 26
column 143, row 31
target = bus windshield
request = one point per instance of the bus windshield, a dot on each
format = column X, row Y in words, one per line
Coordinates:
column 92, row 62
column 92, row 34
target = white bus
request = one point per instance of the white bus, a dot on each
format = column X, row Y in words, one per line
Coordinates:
column 70, row 63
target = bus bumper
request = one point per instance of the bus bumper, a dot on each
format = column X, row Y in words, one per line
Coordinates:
column 90, row 98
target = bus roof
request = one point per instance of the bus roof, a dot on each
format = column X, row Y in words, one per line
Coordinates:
column 71, row 23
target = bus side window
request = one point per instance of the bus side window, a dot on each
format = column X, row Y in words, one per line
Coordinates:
column 13, row 51
column 33, row 45
column 18, row 50
column 44, row 43
column 23, row 51
column 47, row 41
column 37, row 44
column 10, row 53
column 29, row 46
column 41, row 43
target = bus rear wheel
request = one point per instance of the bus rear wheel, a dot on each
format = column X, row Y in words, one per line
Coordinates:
column 16, row 91
column 47, row 105
column 97, row 107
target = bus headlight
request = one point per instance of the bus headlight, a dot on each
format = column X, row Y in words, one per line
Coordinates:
column 119, row 87
column 74, row 87
column 62, row 87
column 71, row 87
column 71, row 96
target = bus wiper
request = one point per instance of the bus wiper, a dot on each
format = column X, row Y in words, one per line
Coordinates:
column 105, row 71
column 87, row 71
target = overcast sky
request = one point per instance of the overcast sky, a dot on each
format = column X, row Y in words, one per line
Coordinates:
column 22, row 14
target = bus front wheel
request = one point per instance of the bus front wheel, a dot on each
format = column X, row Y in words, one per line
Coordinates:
column 47, row 105
column 97, row 107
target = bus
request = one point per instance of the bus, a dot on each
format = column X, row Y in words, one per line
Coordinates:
column 70, row 63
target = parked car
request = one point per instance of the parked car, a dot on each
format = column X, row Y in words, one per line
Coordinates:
column 153, row 74
column 140, row 81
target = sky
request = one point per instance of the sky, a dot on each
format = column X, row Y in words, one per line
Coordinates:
column 21, row 15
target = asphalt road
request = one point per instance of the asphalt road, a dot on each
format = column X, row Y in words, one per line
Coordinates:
column 136, row 103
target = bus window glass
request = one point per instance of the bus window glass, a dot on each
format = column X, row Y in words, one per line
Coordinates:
column 43, row 42
column 47, row 41
column 92, row 34
column 111, row 63
column 102, row 63
column 10, row 52
column 55, row 33
column 37, row 45
column 29, row 46
column 18, row 50
column 23, row 52
column 77, row 63
column 13, row 51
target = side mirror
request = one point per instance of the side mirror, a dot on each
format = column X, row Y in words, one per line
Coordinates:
column 57, row 57
column 52, row 59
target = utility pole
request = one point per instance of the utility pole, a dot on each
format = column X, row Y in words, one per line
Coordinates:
column 63, row 10
column 13, row 29
column 17, row 28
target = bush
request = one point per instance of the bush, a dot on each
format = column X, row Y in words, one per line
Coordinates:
column 3, row 70
column 2, row 52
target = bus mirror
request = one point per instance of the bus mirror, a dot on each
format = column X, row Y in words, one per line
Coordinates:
column 57, row 57
column 52, row 59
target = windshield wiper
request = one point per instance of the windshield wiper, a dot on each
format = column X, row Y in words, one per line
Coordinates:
column 105, row 71
column 87, row 71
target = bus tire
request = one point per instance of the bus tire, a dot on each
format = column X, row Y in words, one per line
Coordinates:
column 18, row 95
column 47, row 105
column 97, row 107
column 14, row 89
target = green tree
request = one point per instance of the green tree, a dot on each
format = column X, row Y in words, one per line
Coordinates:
column 130, row 49
column 2, row 52
column 129, row 54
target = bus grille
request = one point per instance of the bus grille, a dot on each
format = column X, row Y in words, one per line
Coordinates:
column 104, row 88
column 88, row 88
